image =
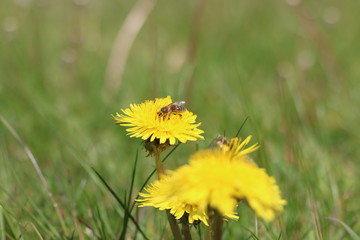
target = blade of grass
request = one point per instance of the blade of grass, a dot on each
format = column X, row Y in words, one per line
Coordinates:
column 72, row 235
column 78, row 228
column 76, row 153
column 102, row 225
column 125, row 221
column 351, row 232
column 105, row 219
column 252, row 235
column 37, row 231
column 126, row 217
column 78, row 156
column 133, row 177
column 2, row 225
column 242, row 125
column 199, row 233
column 8, row 237
column 136, row 232
column 8, row 228
column 38, row 171
column 270, row 231
column 90, row 222
column 39, row 218
column 120, row 202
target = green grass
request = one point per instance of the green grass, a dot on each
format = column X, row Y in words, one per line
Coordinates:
column 293, row 74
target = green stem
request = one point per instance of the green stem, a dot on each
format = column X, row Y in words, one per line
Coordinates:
column 214, row 230
column 174, row 226
column 209, row 229
column 185, row 229
column 172, row 221
column 218, row 226
column 159, row 167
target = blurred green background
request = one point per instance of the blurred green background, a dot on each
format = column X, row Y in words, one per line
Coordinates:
column 292, row 67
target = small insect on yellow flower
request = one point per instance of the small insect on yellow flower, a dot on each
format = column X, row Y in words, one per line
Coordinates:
column 216, row 179
column 160, row 120
column 235, row 147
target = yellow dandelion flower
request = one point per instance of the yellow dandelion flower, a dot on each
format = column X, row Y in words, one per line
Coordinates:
column 159, row 194
column 145, row 121
column 213, row 180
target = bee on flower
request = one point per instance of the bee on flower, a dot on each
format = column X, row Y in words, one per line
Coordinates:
column 172, row 108
column 160, row 123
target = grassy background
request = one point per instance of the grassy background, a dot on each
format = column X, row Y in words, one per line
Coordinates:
column 291, row 66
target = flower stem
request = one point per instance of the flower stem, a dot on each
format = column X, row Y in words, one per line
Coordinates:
column 159, row 167
column 174, row 226
column 209, row 231
column 185, row 229
column 214, row 230
column 172, row 221
column 218, row 226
